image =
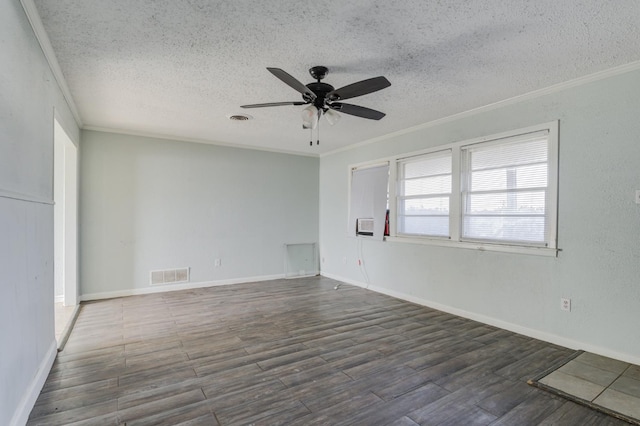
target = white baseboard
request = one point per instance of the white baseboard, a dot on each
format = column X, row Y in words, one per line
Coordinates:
column 68, row 328
column 58, row 299
column 530, row 332
column 21, row 415
column 176, row 287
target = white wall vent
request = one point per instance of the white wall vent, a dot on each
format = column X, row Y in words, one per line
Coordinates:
column 169, row 276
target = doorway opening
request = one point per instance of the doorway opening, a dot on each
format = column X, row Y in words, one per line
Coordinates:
column 65, row 217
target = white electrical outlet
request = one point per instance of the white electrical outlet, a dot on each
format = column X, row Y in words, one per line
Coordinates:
column 637, row 196
column 565, row 304
column 218, row 263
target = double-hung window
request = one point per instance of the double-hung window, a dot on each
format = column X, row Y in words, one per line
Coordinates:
column 497, row 192
column 505, row 194
column 424, row 193
column 368, row 199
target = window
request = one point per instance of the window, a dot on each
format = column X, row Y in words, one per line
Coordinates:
column 495, row 193
column 506, row 189
column 424, row 192
column 368, row 199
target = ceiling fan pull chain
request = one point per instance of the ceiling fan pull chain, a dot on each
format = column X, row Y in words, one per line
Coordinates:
column 318, row 140
column 310, row 137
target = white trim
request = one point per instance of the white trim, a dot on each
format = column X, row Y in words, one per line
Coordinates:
column 68, row 328
column 196, row 140
column 553, row 170
column 176, row 287
column 25, row 197
column 600, row 75
column 470, row 245
column 33, row 16
column 526, row 331
column 58, row 299
column 57, row 117
column 21, row 415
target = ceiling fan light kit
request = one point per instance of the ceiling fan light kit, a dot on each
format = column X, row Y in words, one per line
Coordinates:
column 310, row 117
column 331, row 116
column 322, row 98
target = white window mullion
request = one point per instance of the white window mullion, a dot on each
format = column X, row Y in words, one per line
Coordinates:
column 551, row 224
column 455, row 203
column 393, row 193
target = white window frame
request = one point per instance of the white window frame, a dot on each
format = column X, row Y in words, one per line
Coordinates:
column 456, row 217
column 362, row 166
column 465, row 180
column 400, row 178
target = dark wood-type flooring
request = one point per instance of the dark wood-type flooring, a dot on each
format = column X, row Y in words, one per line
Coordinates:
column 296, row 352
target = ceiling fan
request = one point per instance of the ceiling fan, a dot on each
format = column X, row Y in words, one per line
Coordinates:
column 324, row 99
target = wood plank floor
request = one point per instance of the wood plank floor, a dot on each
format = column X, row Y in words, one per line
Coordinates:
column 295, row 352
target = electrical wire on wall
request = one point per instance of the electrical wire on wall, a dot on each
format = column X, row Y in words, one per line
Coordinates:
column 361, row 264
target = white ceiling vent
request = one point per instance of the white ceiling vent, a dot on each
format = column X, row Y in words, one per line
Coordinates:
column 169, row 276
column 240, row 117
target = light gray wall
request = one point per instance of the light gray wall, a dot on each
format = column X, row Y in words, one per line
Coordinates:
column 28, row 96
column 599, row 226
column 153, row 204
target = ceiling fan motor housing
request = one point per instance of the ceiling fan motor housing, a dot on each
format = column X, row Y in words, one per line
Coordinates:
column 321, row 90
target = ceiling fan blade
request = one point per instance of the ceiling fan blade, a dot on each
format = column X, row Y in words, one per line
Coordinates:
column 359, row 88
column 272, row 104
column 292, row 82
column 357, row 110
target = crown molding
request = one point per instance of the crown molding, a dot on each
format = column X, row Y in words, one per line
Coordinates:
column 45, row 44
column 600, row 75
column 195, row 140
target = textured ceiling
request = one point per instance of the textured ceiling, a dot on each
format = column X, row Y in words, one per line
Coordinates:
column 180, row 68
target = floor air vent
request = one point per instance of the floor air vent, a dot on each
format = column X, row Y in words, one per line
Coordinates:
column 169, row 276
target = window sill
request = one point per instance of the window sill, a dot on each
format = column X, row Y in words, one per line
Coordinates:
column 504, row 248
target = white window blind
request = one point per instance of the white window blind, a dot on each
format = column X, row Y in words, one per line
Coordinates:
column 505, row 193
column 368, row 197
column 424, row 194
